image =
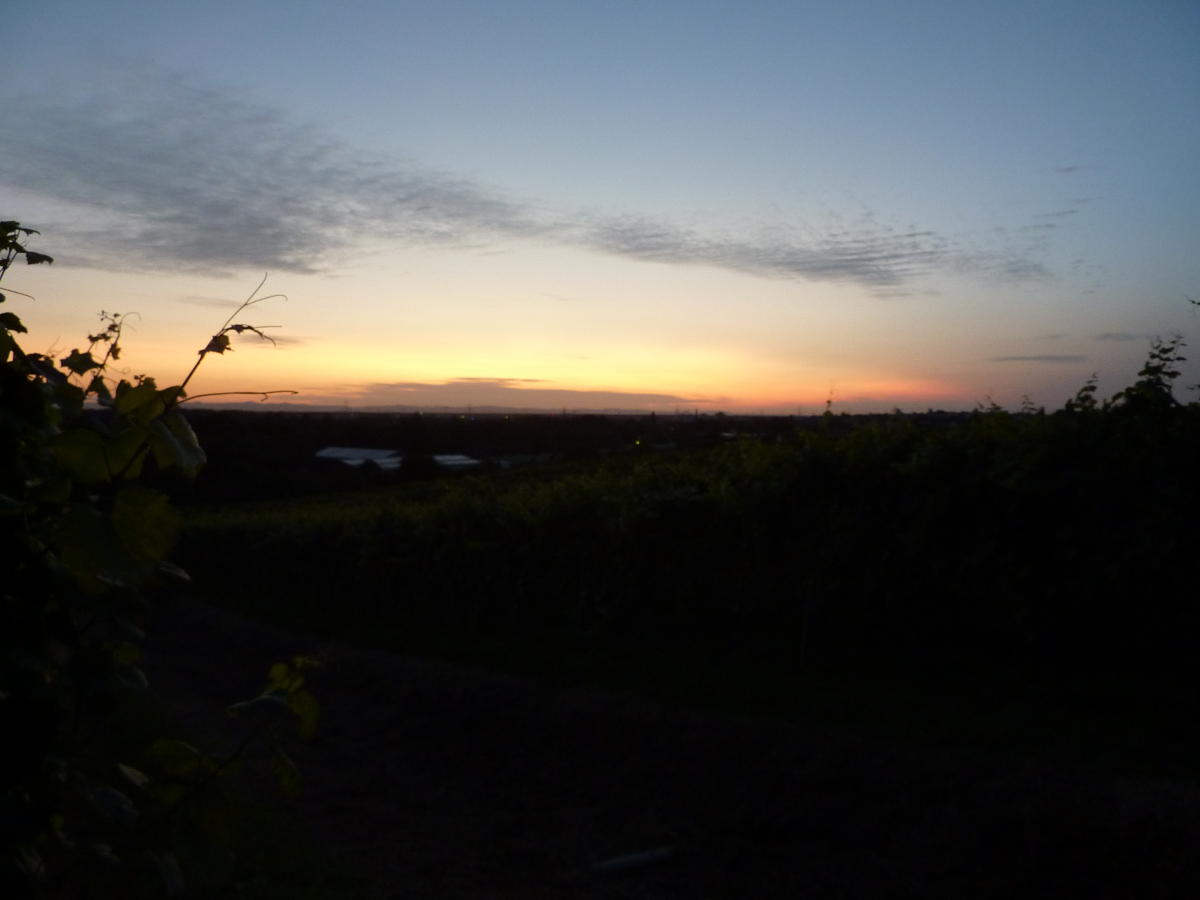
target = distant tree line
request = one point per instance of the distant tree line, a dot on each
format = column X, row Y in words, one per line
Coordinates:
column 1035, row 543
column 261, row 455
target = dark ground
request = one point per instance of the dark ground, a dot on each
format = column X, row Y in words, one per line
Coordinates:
column 434, row 781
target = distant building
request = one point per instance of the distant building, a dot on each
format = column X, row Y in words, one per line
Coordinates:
column 356, row 456
column 454, row 461
column 389, row 460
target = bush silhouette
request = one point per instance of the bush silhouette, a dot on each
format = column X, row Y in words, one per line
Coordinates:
column 97, row 798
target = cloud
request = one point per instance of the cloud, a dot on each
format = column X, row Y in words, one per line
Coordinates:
column 510, row 393
column 169, row 175
column 1019, row 268
column 506, row 382
column 1122, row 336
column 870, row 254
column 1068, row 170
column 1041, row 358
column 1003, row 253
column 156, row 172
column 1060, row 213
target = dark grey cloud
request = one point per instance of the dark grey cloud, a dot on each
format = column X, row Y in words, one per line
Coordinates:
column 506, row 382
column 1041, row 358
column 509, row 393
column 1068, row 170
column 1003, row 254
column 159, row 173
column 869, row 255
column 1019, row 268
column 178, row 176
column 1122, row 336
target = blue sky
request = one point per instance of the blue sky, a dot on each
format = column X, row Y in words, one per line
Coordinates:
column 642, row 205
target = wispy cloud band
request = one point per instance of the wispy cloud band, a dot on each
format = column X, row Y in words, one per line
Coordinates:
column 1123, row 337
column 166, row 174
column 512, row 393
column 1041, row 358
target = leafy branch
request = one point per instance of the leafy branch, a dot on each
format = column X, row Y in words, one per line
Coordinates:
column 85, row 539
column 220, row 342
column 11, row 235
column 167, row 418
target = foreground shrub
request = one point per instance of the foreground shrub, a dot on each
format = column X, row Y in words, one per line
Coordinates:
column 97, row 797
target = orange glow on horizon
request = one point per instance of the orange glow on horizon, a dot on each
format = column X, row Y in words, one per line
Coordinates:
column 595, row 357
column 877, row 393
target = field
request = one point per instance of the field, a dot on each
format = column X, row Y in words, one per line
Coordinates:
column 984, row 599
column 1030, row 571
column 435, row 780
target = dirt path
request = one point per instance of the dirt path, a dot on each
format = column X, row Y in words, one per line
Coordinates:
column 442, row 782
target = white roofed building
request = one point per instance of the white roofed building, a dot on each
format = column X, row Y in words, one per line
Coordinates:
column 356, row 456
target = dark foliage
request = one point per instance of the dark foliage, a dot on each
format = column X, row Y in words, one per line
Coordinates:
column 1031, row 547
column 98, row 798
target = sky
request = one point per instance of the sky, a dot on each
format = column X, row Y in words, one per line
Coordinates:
column 737, row 206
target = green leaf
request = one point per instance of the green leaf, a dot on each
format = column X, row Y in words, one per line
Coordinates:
column 171, row 395
column 285, row 771
column 92, row 552
column 115, row 806
column 136, row 777
column 141, row 403
column 283, row 679
column 83, row 453
column 176, row 758
column 104, row 856
column 125, row 453
column 174, row 444
column 123, row 625
column 133, row 677
column 34, row 258
column 53, row 490
column 169, row 570
column 145, row 522
column 91, row 458
column 68, row 396
column 126, row 653
column 265, row 704
column 30, row 863
column 79, row 362
column 12, row 322
column 11, row 507
column 277, row 676
column 98, row 387
column 170, row 873
column 307, row 710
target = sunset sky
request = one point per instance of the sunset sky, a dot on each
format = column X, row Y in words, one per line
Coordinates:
column 740, row 206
